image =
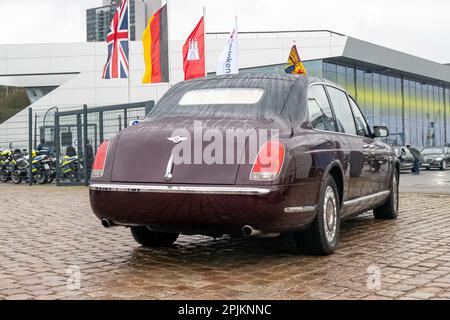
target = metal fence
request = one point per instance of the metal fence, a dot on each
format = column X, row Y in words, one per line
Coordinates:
column 79, row 133
column 74, row 136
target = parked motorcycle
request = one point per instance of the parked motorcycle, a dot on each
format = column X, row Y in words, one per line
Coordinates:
column 71, row 168
column 19, row 166
column 42, row 167
column 14, row 166
column 5, row 169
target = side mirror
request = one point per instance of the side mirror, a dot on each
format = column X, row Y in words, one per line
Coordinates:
column 381, row 132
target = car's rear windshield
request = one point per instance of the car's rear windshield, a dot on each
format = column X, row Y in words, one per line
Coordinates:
column 433, row 151
column 224, row 98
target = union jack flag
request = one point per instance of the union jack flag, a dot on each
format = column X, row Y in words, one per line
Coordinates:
column 116, row 66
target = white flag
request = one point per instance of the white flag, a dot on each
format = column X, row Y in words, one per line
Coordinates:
column 228, row 60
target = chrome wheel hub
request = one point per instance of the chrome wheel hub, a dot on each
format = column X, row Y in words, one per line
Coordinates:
column 330, row 214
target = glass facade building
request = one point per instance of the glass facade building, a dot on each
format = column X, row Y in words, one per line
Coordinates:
column 417, row 112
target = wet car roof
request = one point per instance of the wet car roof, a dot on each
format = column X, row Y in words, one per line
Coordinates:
column 262, row 76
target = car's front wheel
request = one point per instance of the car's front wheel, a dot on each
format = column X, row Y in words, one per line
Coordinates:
column 148, row 238
column 389, row 209
column 443, row 165
column 322, row 237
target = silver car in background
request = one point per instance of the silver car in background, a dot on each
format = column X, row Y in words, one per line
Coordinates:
column 436, row 157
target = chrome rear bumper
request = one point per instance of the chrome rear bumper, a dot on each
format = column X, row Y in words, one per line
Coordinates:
column 179, row 189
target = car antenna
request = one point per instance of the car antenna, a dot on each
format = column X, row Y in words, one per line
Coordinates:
column 292, row 127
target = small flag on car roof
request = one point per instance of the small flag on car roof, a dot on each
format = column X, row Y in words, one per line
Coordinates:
column 294, row 64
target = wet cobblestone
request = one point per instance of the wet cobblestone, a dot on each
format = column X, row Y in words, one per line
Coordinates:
column 48, row 234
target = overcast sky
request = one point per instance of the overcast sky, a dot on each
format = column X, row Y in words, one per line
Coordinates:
column 414, row 26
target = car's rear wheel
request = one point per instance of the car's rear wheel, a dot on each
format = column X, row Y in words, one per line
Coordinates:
column 323, row 235
column 389, row 209
column 148, row 238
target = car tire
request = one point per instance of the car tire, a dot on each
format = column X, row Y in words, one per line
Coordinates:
column 389, row 209
column 443, row 165
column 322, row 236
column 148, row 238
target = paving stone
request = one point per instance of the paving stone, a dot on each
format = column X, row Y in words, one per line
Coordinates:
column 41, row 260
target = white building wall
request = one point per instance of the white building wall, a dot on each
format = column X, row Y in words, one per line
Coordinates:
column 77, row 69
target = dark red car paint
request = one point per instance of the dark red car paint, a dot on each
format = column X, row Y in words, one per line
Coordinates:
column 139, row 155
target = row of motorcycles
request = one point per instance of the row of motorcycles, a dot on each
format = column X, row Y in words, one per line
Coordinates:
column 14, row 166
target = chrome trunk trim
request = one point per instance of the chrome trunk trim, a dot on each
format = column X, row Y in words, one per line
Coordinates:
column 178, row 189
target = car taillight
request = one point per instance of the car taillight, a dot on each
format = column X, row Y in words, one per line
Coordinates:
column 100, row 159
column 269, row 162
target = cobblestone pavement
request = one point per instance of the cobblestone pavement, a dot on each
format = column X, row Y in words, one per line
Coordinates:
column 47, row 233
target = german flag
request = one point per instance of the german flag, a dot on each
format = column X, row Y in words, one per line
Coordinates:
column 155, row 41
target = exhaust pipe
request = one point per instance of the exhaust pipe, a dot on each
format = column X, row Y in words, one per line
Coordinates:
column 107, row 223
column 249, row 231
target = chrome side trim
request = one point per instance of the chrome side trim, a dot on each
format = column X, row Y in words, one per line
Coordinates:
column 299, row 209
column 367, row 198
column 178, row 189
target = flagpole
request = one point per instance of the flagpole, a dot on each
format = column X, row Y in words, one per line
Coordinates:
column 237, row 40
column 129, row 50
column 169, row 60
column 204, row 42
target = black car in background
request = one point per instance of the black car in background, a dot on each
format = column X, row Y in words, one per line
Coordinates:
column 436, row 157
column 406, row 158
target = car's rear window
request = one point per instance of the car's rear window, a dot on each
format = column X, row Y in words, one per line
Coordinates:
column 222, row 96
column 251, row 97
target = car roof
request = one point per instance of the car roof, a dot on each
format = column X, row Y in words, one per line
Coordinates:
column 267, row 76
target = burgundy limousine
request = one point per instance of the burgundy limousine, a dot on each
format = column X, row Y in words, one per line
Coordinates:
column 250, row 154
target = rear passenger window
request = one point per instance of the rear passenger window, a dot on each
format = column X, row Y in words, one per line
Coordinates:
column 320, row 114
column 342, row 110
column 362, row 129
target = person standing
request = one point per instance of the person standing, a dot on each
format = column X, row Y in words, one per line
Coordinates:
column 418, row 159
column 89, row 157
column 71, row 152
column 42, row 146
